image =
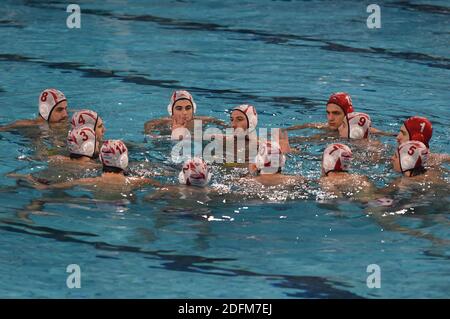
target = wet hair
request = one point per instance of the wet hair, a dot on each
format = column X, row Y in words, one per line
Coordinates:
column 116, row 170
column 417, row 171
column 258, row 172
column 43, row 181
column 111, row 169
column 76, row 156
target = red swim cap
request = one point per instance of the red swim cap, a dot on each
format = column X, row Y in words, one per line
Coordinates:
column 343, row 100
column 419, row 129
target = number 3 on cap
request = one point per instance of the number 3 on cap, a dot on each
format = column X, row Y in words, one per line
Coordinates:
column 84, row 136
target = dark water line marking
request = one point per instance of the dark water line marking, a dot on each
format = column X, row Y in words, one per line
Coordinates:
column 57, row 232
column 228, row 94
column 316, row 287
column 425, row 8
column 11, row 24
column 237, row 97
column 272, row 38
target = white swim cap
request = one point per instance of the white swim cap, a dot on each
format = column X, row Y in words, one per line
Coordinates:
column 48, row 100
column 269, row 159
column 84, row 118
column 180, row 95
column 336, row 158
column 114, row 153
column 81, row 141
column 413, row 155
column 250, row 114
column 195, row 172
column 358, row 125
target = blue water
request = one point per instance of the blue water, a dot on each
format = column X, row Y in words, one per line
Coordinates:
column 285, row 57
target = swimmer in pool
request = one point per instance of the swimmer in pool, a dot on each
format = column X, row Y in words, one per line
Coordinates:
column 264, row 180
column 110, row 185
column 243, row 123
column 421, row 184
column 90, row 119
column 420, row 129
column 338, row 106
column 411, row 160
column 190, row 199
column 52, row 110
column 83, row 140
column 50, row 128
column 83, row 146
column 356, row 127
column 195, row 172
column 181, row 109
column 337, row 179
column 114, row 158
column 194, row 178
column 268, row 165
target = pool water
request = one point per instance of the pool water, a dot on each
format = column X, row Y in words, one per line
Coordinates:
column 284, row 57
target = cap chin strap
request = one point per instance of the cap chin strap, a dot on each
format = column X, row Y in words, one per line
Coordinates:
column 95, row 143
column 348, row 126
column 95, row 126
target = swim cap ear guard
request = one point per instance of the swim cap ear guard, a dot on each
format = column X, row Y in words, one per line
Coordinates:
column 419, row 129
column 413, row 157
column 180, row 95
column 336, row 158
column 358, row 125
column 48, row 100
column 81, row 141
column 250, row 114
column 84, row 118
column 343, row 100
column 270, row 159
column 114, row 153
column 195, row 172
